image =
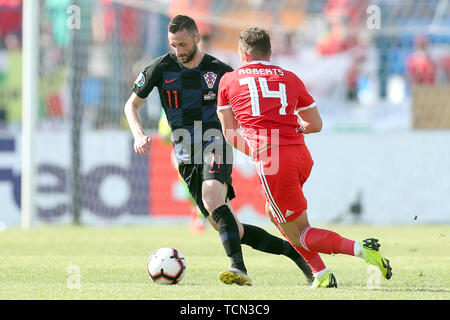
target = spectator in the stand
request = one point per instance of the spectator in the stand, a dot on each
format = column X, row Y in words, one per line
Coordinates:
column 445, row 67
column 200, row 9
column 353, row 75
column 420, row 67
column 55, row 12
column 10, row 59
column 10, row 17
column 11, row 79
column 344, row 18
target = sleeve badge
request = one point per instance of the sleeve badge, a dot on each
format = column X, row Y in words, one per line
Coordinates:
column 140, row 80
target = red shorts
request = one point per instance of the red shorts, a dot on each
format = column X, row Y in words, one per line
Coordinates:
column 282, row 176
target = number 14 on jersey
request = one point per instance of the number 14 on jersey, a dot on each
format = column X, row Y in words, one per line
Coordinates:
column 265, row 92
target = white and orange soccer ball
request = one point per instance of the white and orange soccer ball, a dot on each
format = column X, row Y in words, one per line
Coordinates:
column 166, row 266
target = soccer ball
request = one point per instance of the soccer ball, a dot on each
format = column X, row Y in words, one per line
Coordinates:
column 166, row 266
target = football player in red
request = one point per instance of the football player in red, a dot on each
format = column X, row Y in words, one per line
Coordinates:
column 265, row 111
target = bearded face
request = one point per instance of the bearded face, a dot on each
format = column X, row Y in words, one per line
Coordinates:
column 184, row 45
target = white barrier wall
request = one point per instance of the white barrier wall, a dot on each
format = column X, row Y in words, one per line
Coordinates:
column 403, row 177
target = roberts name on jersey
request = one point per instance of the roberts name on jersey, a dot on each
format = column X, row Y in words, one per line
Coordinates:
column 261, row 71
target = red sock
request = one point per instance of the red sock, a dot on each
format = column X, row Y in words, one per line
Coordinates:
column 313, row 259
column 325, row 241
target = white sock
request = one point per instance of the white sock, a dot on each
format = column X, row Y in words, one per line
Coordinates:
column 320, row 273
column 357, row 251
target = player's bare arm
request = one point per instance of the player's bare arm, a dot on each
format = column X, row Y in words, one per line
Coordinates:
column 311, row 120
column 141, row 140
column 230, row 127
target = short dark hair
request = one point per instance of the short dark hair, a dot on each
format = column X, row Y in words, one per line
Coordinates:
column 256, row 41
column 181, row 22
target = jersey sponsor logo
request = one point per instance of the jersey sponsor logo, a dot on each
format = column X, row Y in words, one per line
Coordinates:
column 210, row 79
column 140, row 80
column 169, row 81
column 211, row 95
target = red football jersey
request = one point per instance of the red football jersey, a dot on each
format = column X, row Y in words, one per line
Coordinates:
column 265, row 100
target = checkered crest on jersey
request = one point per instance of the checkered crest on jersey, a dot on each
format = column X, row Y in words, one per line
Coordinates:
column 210, row 78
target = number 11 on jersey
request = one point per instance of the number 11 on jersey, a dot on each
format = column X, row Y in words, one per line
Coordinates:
column 265, row 92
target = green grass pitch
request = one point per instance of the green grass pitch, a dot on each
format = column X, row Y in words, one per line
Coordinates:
column 110, row 264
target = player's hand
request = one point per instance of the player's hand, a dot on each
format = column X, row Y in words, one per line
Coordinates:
column 142, row 145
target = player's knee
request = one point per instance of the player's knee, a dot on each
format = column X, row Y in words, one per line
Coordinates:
column 211, row 203
column 212, row 198
column 301, row 228
column 296, row 242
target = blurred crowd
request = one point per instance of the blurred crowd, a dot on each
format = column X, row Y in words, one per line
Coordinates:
column 115, row 41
